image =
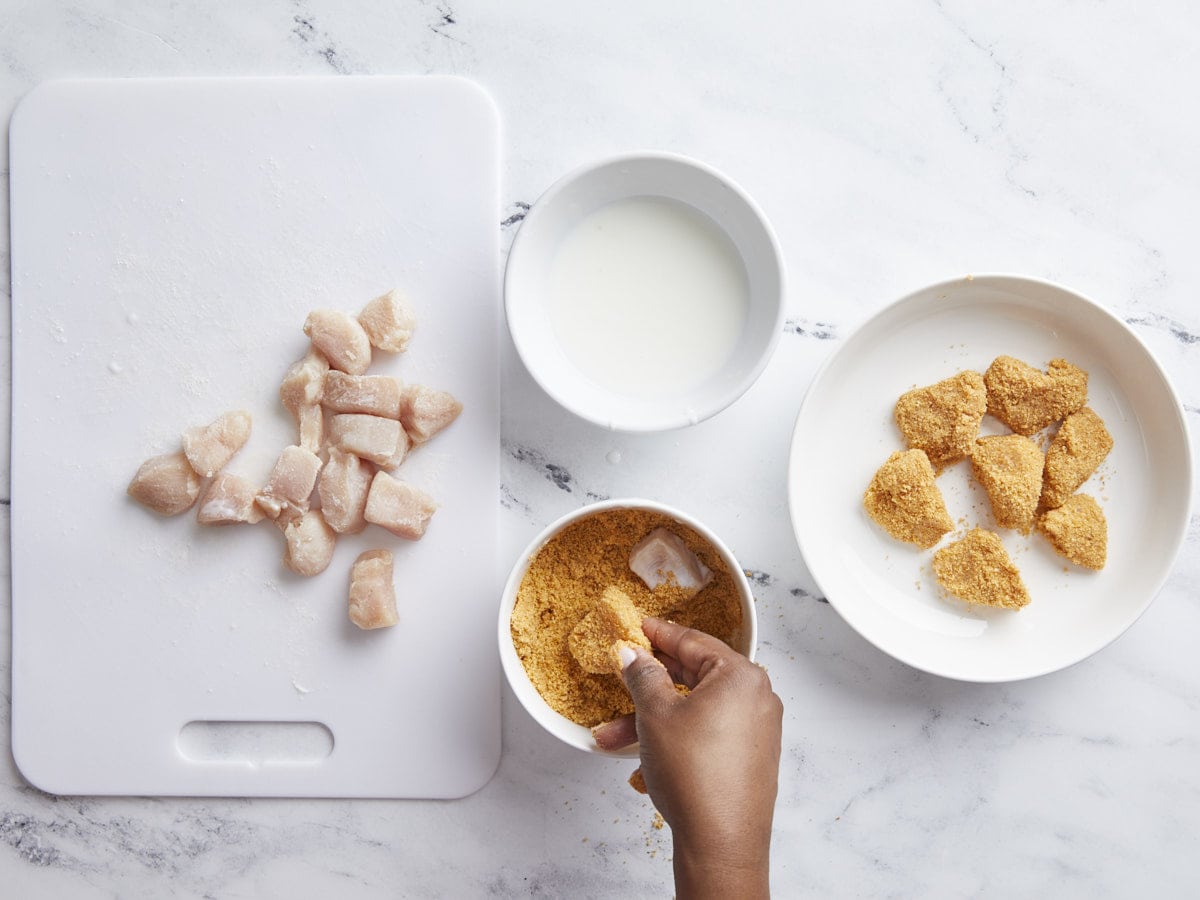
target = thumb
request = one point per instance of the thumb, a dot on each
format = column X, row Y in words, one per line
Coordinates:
column 646, row 678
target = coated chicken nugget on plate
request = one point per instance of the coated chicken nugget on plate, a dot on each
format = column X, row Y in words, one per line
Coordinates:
column 943, row 419
column 1009, row 466
column 1080, row 446
column 903, row 498
column 977, row 569
column 1078, row 531
column 1027, row 400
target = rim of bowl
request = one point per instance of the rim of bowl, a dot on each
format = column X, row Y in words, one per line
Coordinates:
column 541, row 712
column 738, row 387
column 793, row 504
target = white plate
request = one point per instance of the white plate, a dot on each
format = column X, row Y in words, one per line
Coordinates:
column 885, row 589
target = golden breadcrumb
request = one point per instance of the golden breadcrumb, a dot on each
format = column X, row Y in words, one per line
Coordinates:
column 1078, row 531
column 637, row 781
column 904, row 500
column 1027, row 400
column 977, row 569
column 1009, row 467
column 612, row 622
column 565, row 577
column 1079, row 447
column 943, row 419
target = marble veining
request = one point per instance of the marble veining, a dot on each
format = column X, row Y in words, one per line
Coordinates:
column 892, row 146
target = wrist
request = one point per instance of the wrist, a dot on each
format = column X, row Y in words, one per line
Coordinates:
column 719, row 868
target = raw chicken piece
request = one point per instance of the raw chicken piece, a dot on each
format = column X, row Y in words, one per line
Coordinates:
column 312, row 427
column 310, row 544
column 388, row 321
column 290, row 483
column 304, row 383
column 343, row 488
column 378, row 395
column 228, row 500
column 166, row 484
column 301, row 392
column 340, row 338
column 399, row 507
column 425, row 411
column 380, row 440
column 372, row 594
column 209, row 447
column 661, row 557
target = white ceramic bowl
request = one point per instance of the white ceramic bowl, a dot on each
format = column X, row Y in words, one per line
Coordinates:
column 582, row 192
column 555, row 723
column 886, row 590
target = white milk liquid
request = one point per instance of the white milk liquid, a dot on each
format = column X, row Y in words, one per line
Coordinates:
column 648, row 297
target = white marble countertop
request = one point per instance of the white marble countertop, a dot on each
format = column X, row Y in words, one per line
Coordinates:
column 892, row 145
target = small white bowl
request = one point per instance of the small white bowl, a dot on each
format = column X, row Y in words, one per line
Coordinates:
column 555, row 723
column 643, row 175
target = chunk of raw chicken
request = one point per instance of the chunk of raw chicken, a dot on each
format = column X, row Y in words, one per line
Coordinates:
column 312, row 428
column 166, row 484
column 343, row 488
column 209, row 447
column 228, row 500
column 290, row 483
column 340, row 338
column 399, row 507
column 425, row 411
column 310, row 542
column 372, row 594
column 380, row 440
column 661, row 557
column 377, row 395
column 389, row 322
column 301, row 392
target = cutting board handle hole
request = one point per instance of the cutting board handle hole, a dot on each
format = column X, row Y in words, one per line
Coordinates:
column 254, row 743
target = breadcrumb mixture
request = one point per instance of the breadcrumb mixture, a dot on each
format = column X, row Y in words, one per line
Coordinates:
column 571, row 572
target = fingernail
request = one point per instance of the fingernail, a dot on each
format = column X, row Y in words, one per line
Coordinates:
column 627, row 655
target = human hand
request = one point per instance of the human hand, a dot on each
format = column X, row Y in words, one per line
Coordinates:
column 710, row 759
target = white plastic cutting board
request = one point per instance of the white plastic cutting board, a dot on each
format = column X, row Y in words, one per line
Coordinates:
column 168, row 239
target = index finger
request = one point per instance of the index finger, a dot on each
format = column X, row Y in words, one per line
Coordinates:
column 694, row 650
